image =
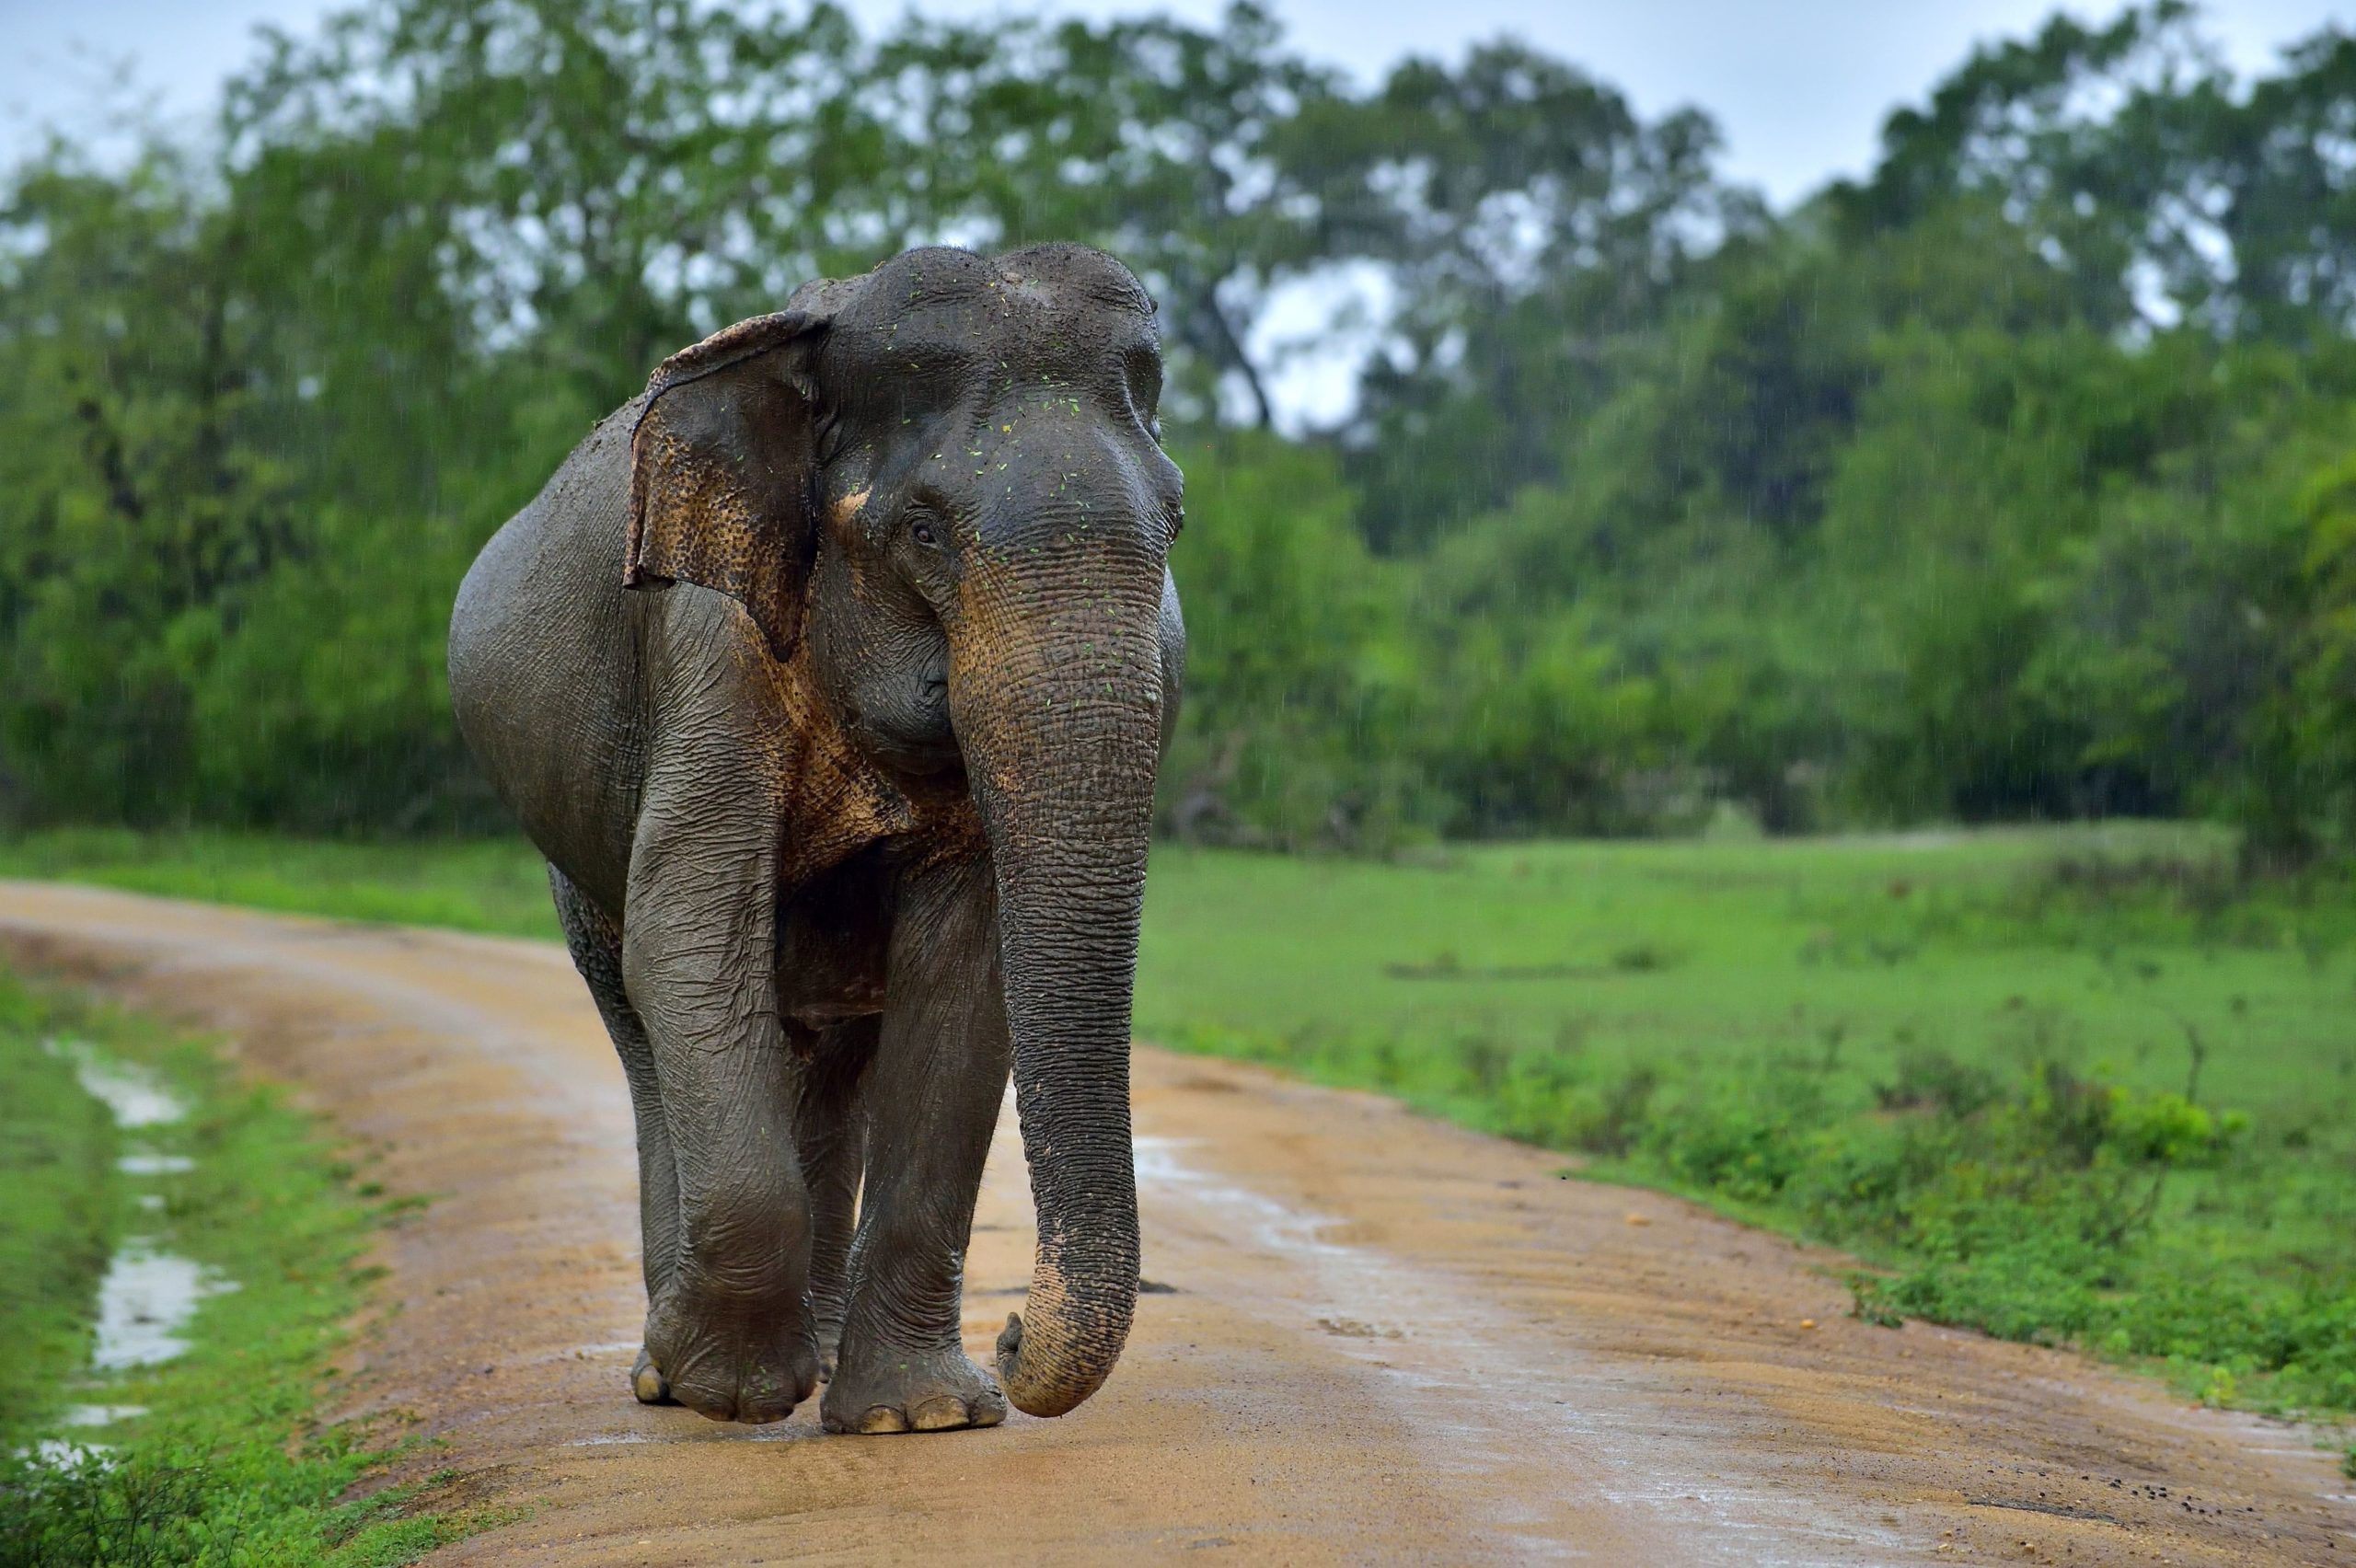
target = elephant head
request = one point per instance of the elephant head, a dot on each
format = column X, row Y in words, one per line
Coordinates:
column 939, row 484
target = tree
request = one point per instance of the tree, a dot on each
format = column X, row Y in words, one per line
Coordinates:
column 1532, row 223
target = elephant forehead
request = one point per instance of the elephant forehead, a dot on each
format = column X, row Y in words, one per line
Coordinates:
column 1059, row 275
column 932, row 313
column 996, row 334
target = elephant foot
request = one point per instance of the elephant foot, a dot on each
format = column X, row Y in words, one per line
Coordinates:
column 737, row 1367
column 889, row 1391
column 646, row 1381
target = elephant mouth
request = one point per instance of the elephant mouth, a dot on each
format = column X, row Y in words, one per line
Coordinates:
column 915, row 742
column 915, row 759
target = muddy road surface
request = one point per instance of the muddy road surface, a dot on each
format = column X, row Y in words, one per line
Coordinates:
column 1368, row 1337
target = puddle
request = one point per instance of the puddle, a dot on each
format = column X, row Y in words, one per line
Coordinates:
column 100, row 1416
column 146, row 1298
column 147, row 1295
column 135, row 1096
column 61, row 1453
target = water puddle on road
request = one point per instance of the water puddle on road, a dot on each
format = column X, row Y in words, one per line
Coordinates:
column 144, row 1303
column 100, row 1416
column 132, row 1095
column 149, row 1295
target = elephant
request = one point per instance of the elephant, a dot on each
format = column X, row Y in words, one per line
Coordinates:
column 831, row 677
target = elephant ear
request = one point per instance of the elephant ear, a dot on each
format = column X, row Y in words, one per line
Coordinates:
column 723, row 471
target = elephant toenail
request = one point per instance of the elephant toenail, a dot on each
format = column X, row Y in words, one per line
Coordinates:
column 649, row 1385
column 881, row 1418
column 940, row 1413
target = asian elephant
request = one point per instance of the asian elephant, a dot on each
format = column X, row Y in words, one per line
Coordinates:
column 831, row 677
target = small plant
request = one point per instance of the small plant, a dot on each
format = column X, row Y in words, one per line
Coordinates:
column 1645, row 957
column 2197, row 884
column 1485, row 1063
column 1929, row 1079
column 1620, row 1114
column 1870, row 1303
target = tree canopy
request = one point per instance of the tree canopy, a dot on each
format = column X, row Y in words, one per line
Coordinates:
column 2010, row 479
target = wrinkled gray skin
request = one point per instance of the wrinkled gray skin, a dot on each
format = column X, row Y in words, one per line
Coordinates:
column 844, row 802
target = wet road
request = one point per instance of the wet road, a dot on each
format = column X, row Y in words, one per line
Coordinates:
column 1380, row 1339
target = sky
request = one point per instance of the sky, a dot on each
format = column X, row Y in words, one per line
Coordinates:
column 1800, row 86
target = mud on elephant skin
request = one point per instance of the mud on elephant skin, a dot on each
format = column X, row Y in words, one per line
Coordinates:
column 831, row 677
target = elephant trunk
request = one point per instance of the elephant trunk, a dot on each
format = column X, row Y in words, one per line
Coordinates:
column 1060, row 748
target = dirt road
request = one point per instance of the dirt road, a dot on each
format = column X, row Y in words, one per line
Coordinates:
column 1381, row 1340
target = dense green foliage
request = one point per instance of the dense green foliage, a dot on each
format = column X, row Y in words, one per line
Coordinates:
column 2011, row 481
column 217, row 1456
column 2082, row 1086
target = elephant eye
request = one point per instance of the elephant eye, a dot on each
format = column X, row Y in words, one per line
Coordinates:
column 921, row 532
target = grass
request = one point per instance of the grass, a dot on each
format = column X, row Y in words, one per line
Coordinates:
column 2077, row 1086
column 58, row 1207
column 226, row 1458
column 468, row 884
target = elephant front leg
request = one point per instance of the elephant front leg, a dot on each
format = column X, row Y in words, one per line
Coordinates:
column 933, row 1098
column 729, row 1331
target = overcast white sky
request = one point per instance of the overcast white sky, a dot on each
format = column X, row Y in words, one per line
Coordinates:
column 1800, row 85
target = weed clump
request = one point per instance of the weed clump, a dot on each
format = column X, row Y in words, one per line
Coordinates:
column 2030, row 1207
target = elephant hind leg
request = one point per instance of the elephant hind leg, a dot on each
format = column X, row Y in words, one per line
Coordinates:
column 596, row 944
column 830, row 1137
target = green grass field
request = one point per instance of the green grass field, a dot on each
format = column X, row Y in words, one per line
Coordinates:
column 471, row 885
column 2077, row 1086
column 217, row 1456
column 1838, row 958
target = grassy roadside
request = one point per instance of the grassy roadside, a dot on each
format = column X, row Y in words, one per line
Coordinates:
column 496, row 885
column 60, row 1205
column 2073, row 1086
column 217, row 1455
